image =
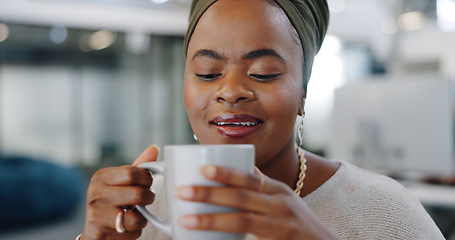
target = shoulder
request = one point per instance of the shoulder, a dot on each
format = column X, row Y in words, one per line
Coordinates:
column 351, row 181
column 360, row 202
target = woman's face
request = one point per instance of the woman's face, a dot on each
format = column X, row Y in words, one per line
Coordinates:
column 243, row 77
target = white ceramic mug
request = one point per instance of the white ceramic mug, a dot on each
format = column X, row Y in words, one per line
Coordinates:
column 182, row 168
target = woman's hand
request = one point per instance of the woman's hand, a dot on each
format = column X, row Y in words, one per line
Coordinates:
column 275, row 212
column 113, row 189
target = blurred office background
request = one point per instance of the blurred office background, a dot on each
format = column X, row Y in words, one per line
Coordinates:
column 88, row 84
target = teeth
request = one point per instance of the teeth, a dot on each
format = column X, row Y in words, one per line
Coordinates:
column 237, row 123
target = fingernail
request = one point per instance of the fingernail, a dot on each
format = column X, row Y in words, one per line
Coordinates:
column 185, row 192
column 156, row 147
column 189, row 221
column 209, row 171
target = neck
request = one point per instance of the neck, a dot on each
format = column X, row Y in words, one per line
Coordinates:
column 284, row 166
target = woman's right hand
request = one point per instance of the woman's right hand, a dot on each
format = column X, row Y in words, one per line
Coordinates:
column 113, row 189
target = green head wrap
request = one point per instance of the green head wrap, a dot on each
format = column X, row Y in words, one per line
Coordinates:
column 310, row 18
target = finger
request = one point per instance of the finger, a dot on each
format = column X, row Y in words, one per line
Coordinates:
column 132, row 221
column 148, row 155
column 243, row 179
column 111, row 234
column 127, row 196
column 120, row 196
column 238, row 222
column 114, row 235
column 123, row 176
column 240, row 198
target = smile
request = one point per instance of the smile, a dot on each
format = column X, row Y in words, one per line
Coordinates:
column 236, row 125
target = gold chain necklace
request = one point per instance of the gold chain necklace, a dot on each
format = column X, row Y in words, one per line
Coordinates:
column 302, row 170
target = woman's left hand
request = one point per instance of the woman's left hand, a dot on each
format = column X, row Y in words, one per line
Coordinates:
column 275, row 212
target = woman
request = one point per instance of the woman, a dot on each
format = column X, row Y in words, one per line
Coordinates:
column 243, row 84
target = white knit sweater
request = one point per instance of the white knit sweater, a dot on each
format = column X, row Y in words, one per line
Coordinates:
column 353, row 204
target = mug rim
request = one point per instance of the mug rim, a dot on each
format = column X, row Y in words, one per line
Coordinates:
column 210, row 146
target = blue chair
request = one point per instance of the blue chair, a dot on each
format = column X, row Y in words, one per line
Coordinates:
column 35, row 191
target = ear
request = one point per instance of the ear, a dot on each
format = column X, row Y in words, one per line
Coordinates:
column 302, row 103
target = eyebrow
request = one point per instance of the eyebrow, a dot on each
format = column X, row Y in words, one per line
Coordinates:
column 209, row 53
column 248, row 56
column 262, row 53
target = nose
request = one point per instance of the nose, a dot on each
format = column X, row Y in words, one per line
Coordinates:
column 232, row 89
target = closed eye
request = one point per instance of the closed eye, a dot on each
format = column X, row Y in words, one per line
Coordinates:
column 265, row 77
column 208, row 77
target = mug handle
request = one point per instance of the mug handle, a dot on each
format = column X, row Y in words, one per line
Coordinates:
column 159, row 223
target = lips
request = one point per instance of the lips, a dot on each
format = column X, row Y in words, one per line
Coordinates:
column 236, row 125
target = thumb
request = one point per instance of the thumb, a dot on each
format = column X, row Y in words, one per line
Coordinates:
column 148, row 155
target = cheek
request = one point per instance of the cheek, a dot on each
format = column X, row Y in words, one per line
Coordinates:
column 284, row 107
column 285, row 99
column 190, row 101
column 195, row 104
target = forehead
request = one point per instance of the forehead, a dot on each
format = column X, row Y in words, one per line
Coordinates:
column 243, row 25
